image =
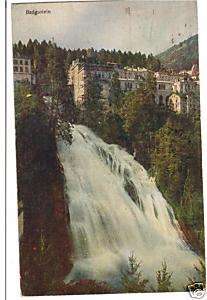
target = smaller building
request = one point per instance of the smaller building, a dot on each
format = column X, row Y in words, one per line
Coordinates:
column 184, row 103
column 195, row 72
column 164, row 89
column 22, row 70
column 177, row 103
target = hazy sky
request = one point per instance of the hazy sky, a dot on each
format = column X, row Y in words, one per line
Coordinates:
column 146, row 26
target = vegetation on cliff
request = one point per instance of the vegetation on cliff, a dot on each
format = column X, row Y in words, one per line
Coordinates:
column 45, row 245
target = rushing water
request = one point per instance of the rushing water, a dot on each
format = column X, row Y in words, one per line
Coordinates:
column 116, row 209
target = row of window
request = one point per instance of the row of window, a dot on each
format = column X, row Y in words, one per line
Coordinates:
column 21, row 69
column 130, row 76
column 103, row 75
column 161, row 86
column 128, row 85
column 109, row 75
column 21, row 62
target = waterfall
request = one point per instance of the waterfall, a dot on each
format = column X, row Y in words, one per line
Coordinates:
column 116, row 209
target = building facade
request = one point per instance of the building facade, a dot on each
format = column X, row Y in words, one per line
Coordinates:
column 173, row 90
column 177, row 103
column 79, row 72
column 178, row 92
column 22, row 71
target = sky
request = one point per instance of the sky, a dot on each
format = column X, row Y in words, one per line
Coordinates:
column 146, row 26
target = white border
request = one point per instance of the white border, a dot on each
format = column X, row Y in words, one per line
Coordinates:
column 13, row 289
column 2, row 152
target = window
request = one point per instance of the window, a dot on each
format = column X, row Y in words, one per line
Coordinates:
column 26, row 62
column 161, row 86
column 21, row 69
column 15, row 69
column 15, row 62
column 21, row 62
column 160, row 99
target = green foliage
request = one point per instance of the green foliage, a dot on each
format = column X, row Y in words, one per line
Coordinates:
column 111, row 129
column 64, row 130
column 102, row 56
column 93, row 90
column 141, row 119
column 153, row 63
column 91, row 113
column 132, row 279
column 171, row 157
column 176, row 164
column 115, row 93
column 26, row 101
column 163, row 278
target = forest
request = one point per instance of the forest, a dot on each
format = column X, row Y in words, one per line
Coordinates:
column 167, row 144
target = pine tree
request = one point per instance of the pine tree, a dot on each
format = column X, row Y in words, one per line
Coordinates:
column 163, row 277
column 91, row 112
column 132, row 279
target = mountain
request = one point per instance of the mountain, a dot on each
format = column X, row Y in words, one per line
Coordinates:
column 181, row 56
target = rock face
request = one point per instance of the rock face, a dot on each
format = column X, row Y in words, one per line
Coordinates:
column 116, row 209
column 46, row 245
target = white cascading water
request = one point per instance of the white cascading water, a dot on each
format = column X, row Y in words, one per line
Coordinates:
column 116, row 209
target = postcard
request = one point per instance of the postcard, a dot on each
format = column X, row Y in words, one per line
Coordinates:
column 108, row 147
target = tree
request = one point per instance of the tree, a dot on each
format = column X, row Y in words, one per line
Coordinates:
column 93, row 89
column 91, row 113
column 26, row 102
column 163, row 278
column 30, row 49
column 176, row 164
column 111, row 129
column 153, row 63
column 141, row 119
column 132, row 279
column 115, row 93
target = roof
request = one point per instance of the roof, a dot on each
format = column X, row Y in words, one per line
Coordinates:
column 21, row 57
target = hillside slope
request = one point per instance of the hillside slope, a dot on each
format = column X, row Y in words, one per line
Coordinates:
column 181, row 56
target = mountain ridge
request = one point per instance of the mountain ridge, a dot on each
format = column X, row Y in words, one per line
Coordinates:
column 181, row 56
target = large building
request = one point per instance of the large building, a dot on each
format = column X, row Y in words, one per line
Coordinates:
column 173, row 90
column 79, row 72
column 22, row 70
